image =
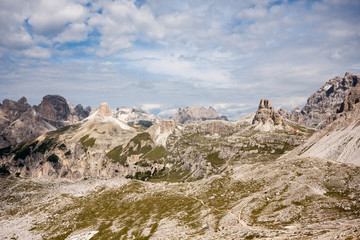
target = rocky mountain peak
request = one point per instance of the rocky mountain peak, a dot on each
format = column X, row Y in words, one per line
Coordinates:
column 135, row 116
column 265, row 103
column 266, row 114
column 20, row 122
column 325, row 101
column 196, row 114
column 54, row 108
column 104, row 109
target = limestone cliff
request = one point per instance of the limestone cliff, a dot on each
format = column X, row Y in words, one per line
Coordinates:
column 20, row 122
column 324, row 102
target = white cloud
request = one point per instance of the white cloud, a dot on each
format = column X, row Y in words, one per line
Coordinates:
column 252, row 13
column 182, row 52
column 37, row 52
column 51, row 17
column 168, row 112
column 76, row 32
column 151, row 106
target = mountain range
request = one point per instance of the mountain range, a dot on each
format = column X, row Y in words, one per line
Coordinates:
column 130, row 175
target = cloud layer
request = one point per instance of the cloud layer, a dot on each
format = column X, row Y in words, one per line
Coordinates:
column 165, row 54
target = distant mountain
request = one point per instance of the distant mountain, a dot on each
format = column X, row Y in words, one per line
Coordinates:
column 135, row 116
column 20, row 122
column 324, row 102
column 196, row 114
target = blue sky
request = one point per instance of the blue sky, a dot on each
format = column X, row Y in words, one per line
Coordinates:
column 163, row 54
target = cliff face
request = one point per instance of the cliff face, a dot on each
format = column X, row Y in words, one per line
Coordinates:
column 339, row 140
column 20, row 122
column 324, row 102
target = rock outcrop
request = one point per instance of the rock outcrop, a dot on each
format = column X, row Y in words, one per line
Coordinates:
column 104, row 109
column 196, row 114
column 266, row 114
column 54, row 108
column 339, row 140
column 136, row 116
column 325, row 102
column 20, row 122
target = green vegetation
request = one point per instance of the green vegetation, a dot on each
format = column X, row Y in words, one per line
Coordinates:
column 87, row 142
column 215, row 160
column 68, row 153
column 53, row 158
column 135, row 147
column 157, row 153
column 124, row 209
column 48, row 144
column 115, row 155
column 22, row 151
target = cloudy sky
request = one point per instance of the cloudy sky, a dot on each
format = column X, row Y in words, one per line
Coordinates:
column 165, row 54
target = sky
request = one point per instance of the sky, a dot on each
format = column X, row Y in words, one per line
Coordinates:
column 164, row 54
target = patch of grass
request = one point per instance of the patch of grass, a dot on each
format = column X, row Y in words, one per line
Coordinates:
column 46, row 145
column 121, row 211
column 135, row 147
column 87, row 142
column 215, row 160
column 115, row 155
column 24, row 150
column 157, row 153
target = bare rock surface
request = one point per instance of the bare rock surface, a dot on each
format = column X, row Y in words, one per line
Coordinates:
column 196, row 114
column 19, row 122
column 136, row 116
column 339, row 140
column 324, row 102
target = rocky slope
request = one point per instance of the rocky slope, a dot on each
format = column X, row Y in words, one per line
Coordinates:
column 20, row 122
column 102, row 146
column 254, row 194
column 196, row 114
column 340, row 139
column 136, row 116
column 206, row 180
column 324, row 102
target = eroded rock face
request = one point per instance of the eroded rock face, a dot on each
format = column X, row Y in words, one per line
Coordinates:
column 196, row 114
column 12, row 110
column 81, row 112
column 20, row 122
column 266, row 113
column 350, row 100
column 324, row 102
column 54, row 108
column 104, row 109
column 136, row 116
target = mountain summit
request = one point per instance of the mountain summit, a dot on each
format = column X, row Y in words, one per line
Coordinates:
column 324, row 102
column 196, row 114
